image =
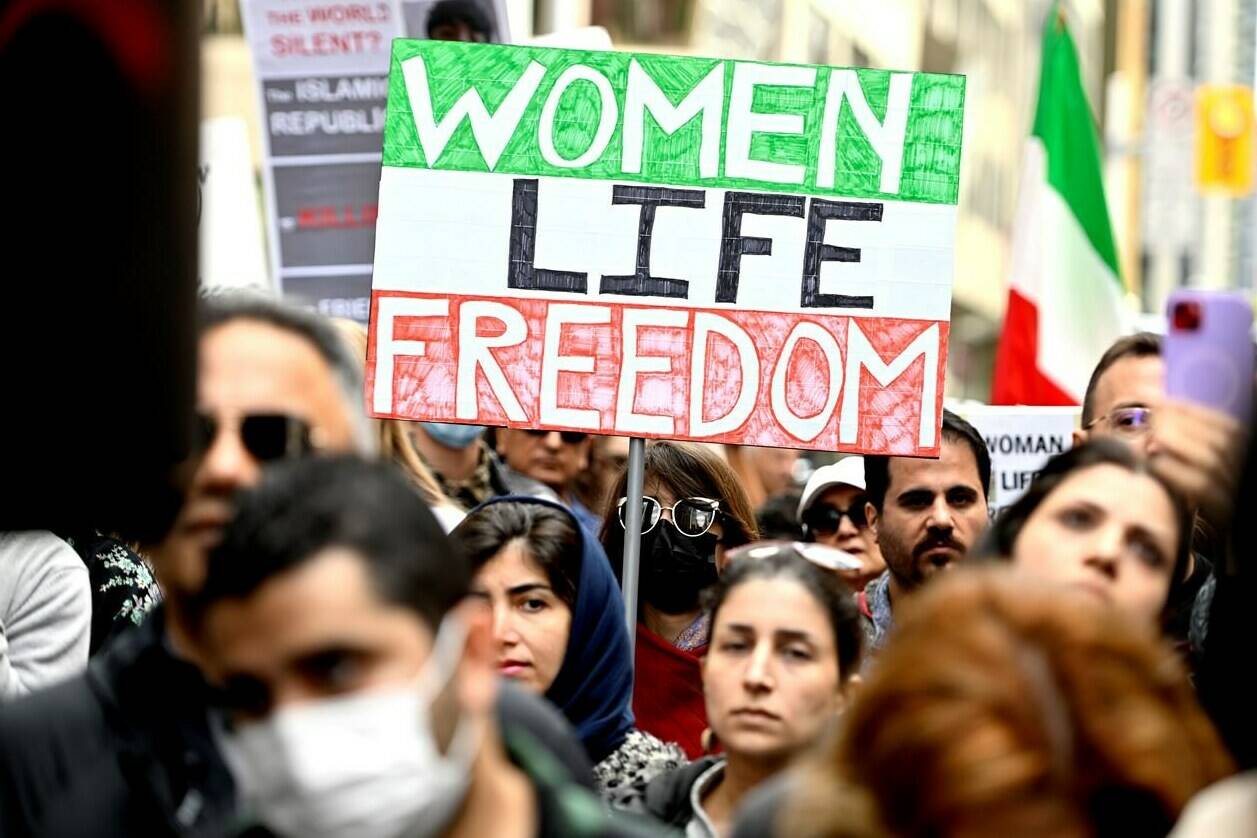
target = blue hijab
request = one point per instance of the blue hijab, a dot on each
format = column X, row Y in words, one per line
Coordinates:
column 594, row 687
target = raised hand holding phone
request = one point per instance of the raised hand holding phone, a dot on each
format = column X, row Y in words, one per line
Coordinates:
column 1201, row 428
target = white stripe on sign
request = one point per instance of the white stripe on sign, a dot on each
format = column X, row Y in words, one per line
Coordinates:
column 464, row 234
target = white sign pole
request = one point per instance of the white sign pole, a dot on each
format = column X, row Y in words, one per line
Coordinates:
column 633, row 535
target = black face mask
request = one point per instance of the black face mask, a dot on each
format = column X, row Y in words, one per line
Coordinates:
column 676, row 568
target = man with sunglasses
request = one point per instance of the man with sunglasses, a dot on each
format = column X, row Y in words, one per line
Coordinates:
column 832, row 513
column 554, row 458
column 1195, row 449
column 127, row 749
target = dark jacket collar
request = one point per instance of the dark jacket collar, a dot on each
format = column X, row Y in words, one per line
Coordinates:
column 157, row 707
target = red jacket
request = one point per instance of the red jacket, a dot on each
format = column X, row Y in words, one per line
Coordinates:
column 668, row 692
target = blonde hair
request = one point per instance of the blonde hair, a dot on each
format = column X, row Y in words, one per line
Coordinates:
column 393, row 434
column 1003, row 708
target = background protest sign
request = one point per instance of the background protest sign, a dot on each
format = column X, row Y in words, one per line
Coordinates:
column 322, row 71
column 665, row 247
column 1021, row 441
column 228, row 222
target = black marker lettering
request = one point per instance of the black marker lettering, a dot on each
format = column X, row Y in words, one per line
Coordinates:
column 816, row 251
column 735, row 245
column 520, row 271
column 641, row 283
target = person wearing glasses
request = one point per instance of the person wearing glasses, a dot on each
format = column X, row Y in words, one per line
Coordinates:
column 559, row 629
column 127, row 748
column 831, row 512
column 555, row 458
column 693, row 509
column 1195, row 449
column 783, row 661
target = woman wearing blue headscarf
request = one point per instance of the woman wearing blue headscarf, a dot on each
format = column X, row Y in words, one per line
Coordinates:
column 560, row 630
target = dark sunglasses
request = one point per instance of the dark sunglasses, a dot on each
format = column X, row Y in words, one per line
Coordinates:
column 570, row 437
column 824, row 519
column 691, row 516
column 266, row 436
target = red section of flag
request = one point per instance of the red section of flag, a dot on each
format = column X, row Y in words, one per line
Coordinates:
column 1017, row 376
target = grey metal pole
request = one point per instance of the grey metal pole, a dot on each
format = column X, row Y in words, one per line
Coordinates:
column 633, row 535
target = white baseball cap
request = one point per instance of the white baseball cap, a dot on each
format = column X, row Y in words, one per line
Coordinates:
column 849, row 471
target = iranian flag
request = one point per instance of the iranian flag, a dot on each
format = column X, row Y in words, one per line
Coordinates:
column 1065, row 292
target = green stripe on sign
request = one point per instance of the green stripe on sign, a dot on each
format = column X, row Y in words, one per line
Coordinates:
column 675, row 121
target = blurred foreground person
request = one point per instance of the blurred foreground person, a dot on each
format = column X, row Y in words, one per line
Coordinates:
column 832, row 512
column 126, row 749
column 1225, row 650
column 45, row 612
column 1000, row 709
column 926, row 514
column 785, row 648
column 395, row 441
column 693, row 510
column 1099, row 523
column 359, row 684
column 559, row 629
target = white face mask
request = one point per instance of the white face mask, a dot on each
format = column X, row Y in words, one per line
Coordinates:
column 360, row 766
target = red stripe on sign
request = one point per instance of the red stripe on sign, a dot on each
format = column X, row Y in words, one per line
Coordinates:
column 1017, row 378
column 818, row 381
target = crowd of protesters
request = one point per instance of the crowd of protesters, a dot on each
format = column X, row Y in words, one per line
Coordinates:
column 370, row 628
column 373, row 628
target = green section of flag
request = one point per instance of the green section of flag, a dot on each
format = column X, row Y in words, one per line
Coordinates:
column 931, row 151
column 1064, row 123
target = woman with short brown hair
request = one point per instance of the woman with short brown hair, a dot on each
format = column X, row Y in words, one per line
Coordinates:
column 1002, row 709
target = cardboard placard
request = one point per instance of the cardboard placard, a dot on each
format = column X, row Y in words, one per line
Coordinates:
column 1021, row 440
column 683, row 248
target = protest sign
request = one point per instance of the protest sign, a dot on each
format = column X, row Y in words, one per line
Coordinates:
column 1021, row 441
column 322, row 72
column 666, row 247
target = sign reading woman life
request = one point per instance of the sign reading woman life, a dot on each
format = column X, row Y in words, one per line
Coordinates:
column 654, row 246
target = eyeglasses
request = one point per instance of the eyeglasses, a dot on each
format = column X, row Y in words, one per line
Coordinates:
column 570, row 437
column 266, row 436
column 1126, row 421
column 691, row 516
column 823, row 519
column 829, row 558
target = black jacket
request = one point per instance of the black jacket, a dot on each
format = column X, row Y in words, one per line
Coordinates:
column 126, row 750
column 122, row 750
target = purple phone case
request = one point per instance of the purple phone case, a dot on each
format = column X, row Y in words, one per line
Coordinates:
column 1213, row 364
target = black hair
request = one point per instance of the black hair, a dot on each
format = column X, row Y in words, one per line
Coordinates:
column 302, row 507
column 826, row 587
column 550, row 538
column 220, row 308
column 998, row 542
column 956, row 429
column 777, row 518
column 460, row 11
column 1138, row 345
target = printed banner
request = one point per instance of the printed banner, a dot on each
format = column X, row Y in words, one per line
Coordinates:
column 724, row 251
column 322, row 72
column 1021, row 441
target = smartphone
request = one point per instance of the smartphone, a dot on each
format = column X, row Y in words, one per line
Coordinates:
column 1209, row 351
